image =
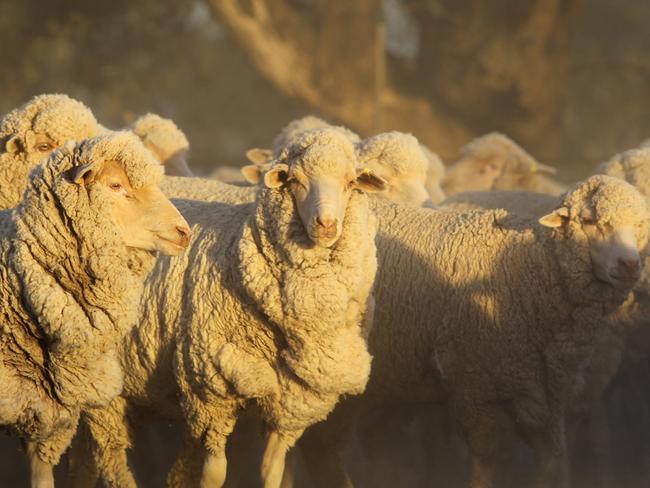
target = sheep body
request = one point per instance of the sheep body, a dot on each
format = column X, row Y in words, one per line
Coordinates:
column 252, row 312
column 69, row 293
column 470, row 334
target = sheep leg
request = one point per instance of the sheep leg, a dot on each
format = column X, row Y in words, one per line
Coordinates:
column 41, row 472
column 483, row 425
column 322, row 443
column 273, row 460
column 111, row 437
column 214, row 470
column 549, row 444
column 82, row 472
column 186, row 470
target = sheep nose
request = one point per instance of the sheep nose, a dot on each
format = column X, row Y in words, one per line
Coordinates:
column 184, row 233
column 326, row 222
column 630, row 265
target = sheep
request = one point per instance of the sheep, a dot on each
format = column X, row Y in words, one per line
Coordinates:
column 497, row 316
column 296, row 127
column 400, row 160
column 166, row 141
column 75, row 254
column 271, row 305
column 409, row 168
column 495, row 162
column 29, row 134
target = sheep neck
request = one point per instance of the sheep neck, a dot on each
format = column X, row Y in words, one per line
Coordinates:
column 307, row 291
column 71, row 261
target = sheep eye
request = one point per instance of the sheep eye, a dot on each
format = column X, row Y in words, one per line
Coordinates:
column 115, row 186
column 44, row 147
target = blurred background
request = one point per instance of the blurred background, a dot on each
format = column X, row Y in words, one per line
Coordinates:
column 567, row 79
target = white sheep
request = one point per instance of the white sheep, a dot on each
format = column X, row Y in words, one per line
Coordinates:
column 271, row 306
column 75, row 254
column 485, row 310
column 402, row 161
column 495, row 162
column 29, row 134
column 165, row 140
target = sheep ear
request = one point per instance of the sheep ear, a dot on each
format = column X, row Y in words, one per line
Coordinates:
column 369, row 182
column 556, row 218
column 83, row 175
column 258, row 156
column 14, row 145
column 252, row 173
column 276, row 176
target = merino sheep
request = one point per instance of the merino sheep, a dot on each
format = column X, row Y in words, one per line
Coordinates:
column 75, row 254
column 271, row 306
column 400, row 160
column 497, row 317
column 29, row 134
column 166, row 141
column 495, row 162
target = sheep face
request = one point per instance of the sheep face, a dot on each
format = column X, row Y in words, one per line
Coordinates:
column 612, row 218
column 405, row 189
column 35, row 147
column 145, row 218
column 321, row 194
column 493, row 162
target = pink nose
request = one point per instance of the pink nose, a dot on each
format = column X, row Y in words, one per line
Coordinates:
column 629, row 265
column 326, row 222
column 184, row 234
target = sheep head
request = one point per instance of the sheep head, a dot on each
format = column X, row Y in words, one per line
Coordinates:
column 119, row 170
column 399, row 159
column 493, row 162
column 319, row 168
column 611, row 217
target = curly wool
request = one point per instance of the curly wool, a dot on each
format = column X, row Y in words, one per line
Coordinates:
column 160, row 134
column 307, row 123
column 394, row 151
column 206, row 190
column 59, row 117
column 253, row 311
column 515, row 316
column 632, row 166
column 70, row 289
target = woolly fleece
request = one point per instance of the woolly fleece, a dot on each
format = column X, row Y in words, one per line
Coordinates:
column 59, row 117
column 253, row 311
column 492, row 310
column 69, row 293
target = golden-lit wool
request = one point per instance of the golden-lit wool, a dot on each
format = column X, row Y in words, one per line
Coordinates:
column 54, row 118
column 495, row 162
column 167, row 142
column 206, row 190
column 632, row 166
column 253, row 312
column 483, row 309
column 70, row 291
column 400, row 160
column 307, row 123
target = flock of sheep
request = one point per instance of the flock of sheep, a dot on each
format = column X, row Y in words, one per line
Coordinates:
column 322, row 288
